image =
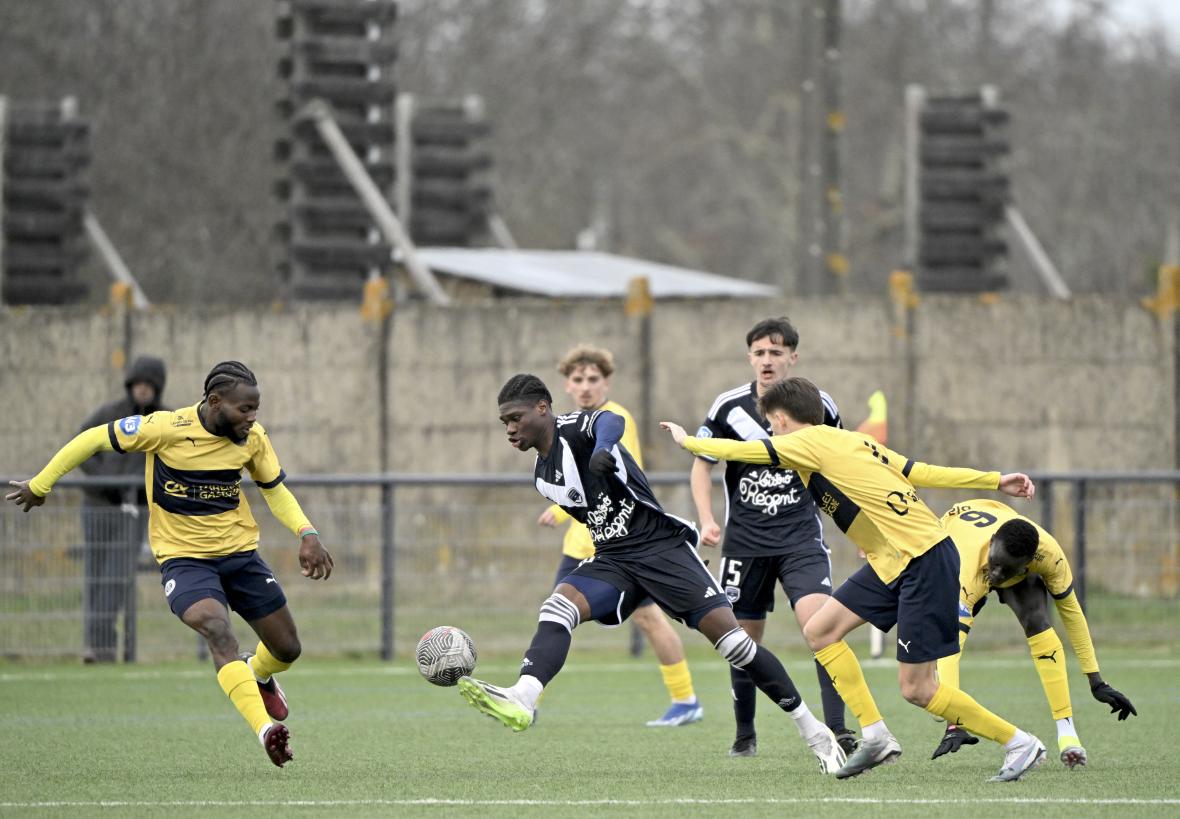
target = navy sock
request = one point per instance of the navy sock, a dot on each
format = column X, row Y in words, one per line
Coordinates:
column 769, row 675
column 547, row 652
column 745, row 700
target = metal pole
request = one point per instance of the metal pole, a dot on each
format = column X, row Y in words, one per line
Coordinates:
column 404, row 153
column 1079, row 524
column 391, row 227
column 808, row 246
column 1046, row 490
column 1050, row 276
column 113, row 261
column 130, row 608
column 915, row 99
column 835, row 261
column 387, row 557
column 3, row 132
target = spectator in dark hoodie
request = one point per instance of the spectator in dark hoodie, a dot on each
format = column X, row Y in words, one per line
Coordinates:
column 114, row 519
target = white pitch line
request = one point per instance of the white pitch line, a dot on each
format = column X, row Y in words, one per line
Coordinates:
column 405, row 668
column 821, row 800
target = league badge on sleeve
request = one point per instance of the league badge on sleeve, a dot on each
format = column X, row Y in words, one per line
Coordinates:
column 130, row 424
column 963, row 610
column 704, row 432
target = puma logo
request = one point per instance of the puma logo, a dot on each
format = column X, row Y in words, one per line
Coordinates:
column 190, row 440
column 271, row 580
column 1052, row 655
column 905, row 645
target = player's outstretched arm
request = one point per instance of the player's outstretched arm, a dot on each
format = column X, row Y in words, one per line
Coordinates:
column 24, row 497
column 32, row 492
column 1105, row 694
column 677, row 431
column 1018, row 485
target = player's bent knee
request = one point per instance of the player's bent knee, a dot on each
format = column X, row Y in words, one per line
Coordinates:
column 918, row 692
column 817, row 637
column 286, row 651
column 737, row 648
column 560, row 610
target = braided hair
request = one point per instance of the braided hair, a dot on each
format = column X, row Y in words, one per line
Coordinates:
column 227, row 375
column 524, row 387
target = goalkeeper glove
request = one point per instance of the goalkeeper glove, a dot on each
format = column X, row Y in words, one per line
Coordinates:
column 954, row 739
column 1117, row 701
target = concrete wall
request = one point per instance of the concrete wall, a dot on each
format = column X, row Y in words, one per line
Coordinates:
column 1022, row 383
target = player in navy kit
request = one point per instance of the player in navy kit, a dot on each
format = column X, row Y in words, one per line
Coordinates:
column 640, row 551
column 772, row 529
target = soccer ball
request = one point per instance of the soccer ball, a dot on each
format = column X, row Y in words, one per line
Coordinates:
column 445, row 654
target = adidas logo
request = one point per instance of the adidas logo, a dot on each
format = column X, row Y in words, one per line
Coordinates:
column 710, row 592
column 558, row 473
column 827, row 582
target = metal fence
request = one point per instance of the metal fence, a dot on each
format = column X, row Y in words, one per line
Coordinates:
column 415, row 551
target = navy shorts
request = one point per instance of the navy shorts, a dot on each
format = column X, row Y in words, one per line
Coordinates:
column 923, row 602
column 568, row 564
column 241, row 581
column 749, row 581
column 673, row 578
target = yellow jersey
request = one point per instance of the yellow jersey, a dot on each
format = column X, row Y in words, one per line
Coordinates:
column 577, row 542
column 972, row 524
column 194, row 482
column 866, row 488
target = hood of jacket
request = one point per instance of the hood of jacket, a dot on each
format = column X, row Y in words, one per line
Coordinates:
column 149, row 370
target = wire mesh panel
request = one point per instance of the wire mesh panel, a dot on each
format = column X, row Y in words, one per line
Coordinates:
column 474, row 556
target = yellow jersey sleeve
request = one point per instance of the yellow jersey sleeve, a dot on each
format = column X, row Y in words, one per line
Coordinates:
column 263, row 465
column 559, row 514
column 792, row 451
column 1074, row 620
column 944, row 477
column 285, row 508
column 80, row 447
column 141, row 433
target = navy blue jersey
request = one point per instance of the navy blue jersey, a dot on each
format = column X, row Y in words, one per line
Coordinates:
column 768, row 510
column 619, row 509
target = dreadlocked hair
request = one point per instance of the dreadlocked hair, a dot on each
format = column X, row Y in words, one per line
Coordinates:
column 227, row 375
column 524, row 387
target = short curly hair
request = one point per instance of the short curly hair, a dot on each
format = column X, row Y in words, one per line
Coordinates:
column 584, row 354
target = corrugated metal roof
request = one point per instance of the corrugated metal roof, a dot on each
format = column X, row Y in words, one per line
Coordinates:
column 582, row 274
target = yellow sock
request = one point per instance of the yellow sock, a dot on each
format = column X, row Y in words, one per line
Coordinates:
column 1049, row 660
column 844, row 669
column 238, row 683
column 263, row 663
column 678, row 681
column 959, row 708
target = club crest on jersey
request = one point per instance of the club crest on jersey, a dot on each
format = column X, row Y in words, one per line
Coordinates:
column 130, row 424
column 704, row 432
column 169, row 587
column 733, row 594
column 574, row 495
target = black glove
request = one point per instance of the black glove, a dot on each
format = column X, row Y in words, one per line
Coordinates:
column 954, row 739
column 1115, row 699
column 602, row 462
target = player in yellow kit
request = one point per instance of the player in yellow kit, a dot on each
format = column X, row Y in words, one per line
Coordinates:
column 205, row 538
column 911, row 577
column 588, row 372
column 1001, row 549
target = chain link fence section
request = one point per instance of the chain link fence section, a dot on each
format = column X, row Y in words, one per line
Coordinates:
column 467, row 551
